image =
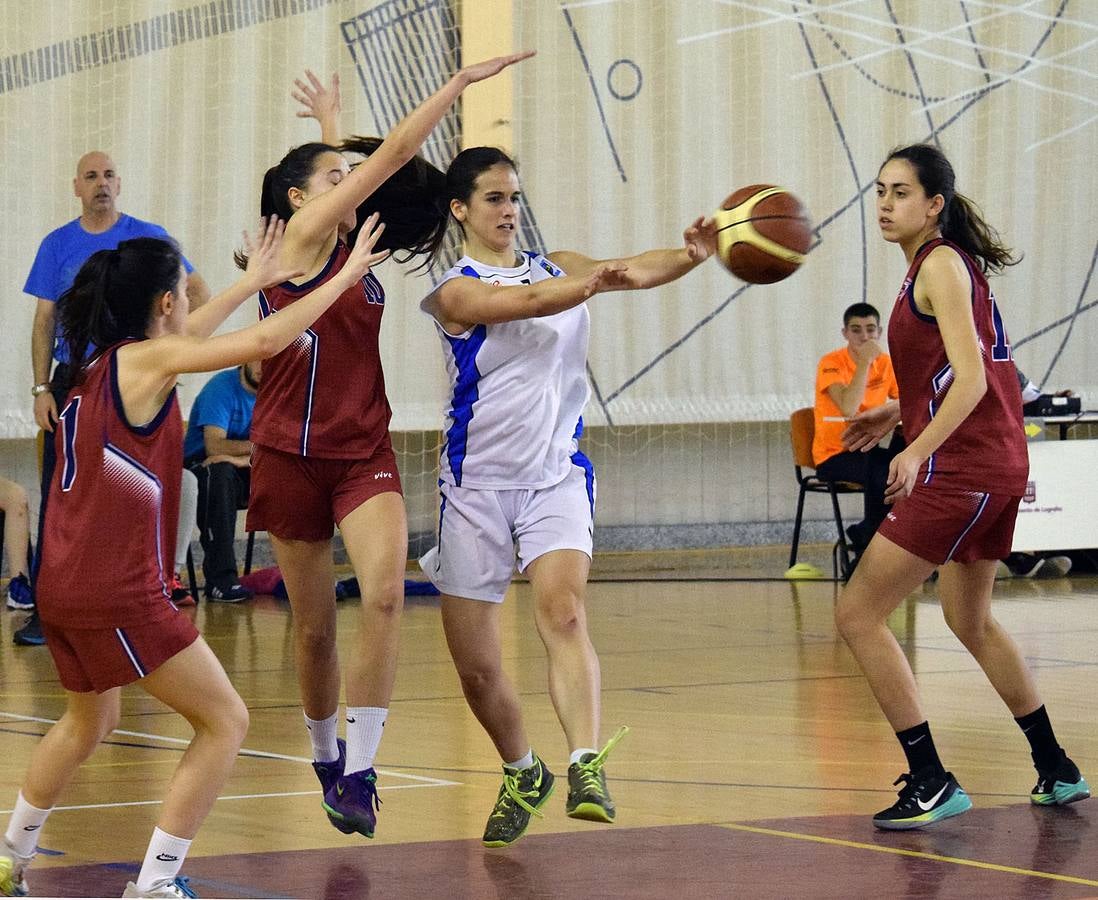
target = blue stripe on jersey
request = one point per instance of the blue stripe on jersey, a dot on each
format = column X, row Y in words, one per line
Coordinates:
column 131, row 652
column 264, row 306
column 578, row 433
column 466, row 393
column 470, row 272
column 578, row 459
column 307, row 413
column 441, row 513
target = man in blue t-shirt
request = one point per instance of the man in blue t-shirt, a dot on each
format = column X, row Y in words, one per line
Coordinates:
column 218, row 451
column 62, row 252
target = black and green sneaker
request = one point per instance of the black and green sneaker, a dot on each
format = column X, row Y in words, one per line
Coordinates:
column 521, row 795
column 928, row 796
column 588, row 797
column 1061, row 786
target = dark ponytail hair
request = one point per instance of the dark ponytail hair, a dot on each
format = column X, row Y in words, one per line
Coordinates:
column 960, row 220
column 408, row 202
column 293, row 170
column 461, row 178
column 111, row 298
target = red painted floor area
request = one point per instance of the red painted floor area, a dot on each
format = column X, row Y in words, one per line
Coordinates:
column 679, row 862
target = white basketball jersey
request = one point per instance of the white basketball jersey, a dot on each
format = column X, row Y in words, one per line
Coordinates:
column 517, row 389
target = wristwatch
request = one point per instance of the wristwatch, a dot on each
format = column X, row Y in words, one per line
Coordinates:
column 41, row 388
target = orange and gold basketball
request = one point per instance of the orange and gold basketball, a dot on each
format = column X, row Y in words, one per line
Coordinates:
column 763, row 233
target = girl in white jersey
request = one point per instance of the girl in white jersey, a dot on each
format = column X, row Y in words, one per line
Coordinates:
column 514, row 333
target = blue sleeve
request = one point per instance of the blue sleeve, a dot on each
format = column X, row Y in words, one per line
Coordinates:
column 42, row 280
column 212, row 406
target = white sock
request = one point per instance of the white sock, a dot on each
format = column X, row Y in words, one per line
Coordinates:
column 23, row 827
column 163, row 860
column 364, row 725
column 576, row 754
column 322, row 732
column 524, row 763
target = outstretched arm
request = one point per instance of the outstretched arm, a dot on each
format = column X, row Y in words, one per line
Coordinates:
column 315, row 221
column 654, row 267
column 461, row 303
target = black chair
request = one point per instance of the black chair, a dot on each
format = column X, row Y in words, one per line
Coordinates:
column 802, row 429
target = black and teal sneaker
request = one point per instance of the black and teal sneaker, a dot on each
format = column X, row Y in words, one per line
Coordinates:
column 521, row 795
column 588, row 797
column 927, row 797
column 1062, row 786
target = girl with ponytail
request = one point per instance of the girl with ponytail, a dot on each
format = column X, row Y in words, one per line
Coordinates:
column 323, row 457
column 955, row 488
column 104, row 584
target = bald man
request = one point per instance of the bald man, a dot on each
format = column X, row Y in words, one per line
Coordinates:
column 100, row 226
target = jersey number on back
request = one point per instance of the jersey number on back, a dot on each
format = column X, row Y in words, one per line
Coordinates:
column 1000, row 350
column 68, row 442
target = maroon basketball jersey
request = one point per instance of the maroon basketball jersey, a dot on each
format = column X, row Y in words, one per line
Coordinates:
column 324, row 395
column 109, row 541
column 987, row 452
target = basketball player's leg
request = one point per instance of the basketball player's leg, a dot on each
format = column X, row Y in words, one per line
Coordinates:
column 472, row 629
column 193, row 683
column 559, row 582
column 965, row 592
column 309, row 574
column 375, row 535
column 88, row 718
column 887, row 574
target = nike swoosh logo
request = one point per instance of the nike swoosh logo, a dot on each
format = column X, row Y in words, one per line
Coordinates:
column 31, row 827
column 926, row 806
column 351, row 719
column 167, row 857
column 914, row 742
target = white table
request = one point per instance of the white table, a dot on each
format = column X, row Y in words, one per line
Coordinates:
column 1060, row 508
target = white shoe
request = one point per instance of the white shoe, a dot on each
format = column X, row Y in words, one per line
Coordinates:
column 1056, row 566
column 13, row 867
column 175, row 888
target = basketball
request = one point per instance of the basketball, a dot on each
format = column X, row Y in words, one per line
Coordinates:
column 763, row 233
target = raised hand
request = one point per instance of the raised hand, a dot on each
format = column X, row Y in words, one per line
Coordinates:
column 488, row 68
column 362, row 254
column 264, row 266
column 321, row 102
column 867, row 352
column 701, row 239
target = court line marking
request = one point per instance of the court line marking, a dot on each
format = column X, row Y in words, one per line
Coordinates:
column 978, row 864
column 388, row 787
column 262, row 754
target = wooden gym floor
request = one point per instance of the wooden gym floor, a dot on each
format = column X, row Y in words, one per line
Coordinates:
column 756, row 756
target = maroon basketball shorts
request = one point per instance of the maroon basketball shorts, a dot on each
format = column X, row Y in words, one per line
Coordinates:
column 98, row 659
column 300, row 498
column 952, row 525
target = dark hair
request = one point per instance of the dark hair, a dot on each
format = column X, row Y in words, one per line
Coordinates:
column 293, row 170
column 409, row 203
column 860, row 311
column 960, row 220
column 111, row 298
column 461, row 179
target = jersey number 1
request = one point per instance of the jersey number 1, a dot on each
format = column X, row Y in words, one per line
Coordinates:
column 1000, row 350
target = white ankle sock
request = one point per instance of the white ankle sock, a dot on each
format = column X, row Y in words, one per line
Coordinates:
column 322, row 732
column 364, row 725
column 579, row 753
column 23, row 827
column 524, row 763
column 163, row 860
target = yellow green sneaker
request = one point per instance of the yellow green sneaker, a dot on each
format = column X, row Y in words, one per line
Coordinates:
column 12, row 869
column 521, row 795
column 1062, row 786
column 588, row 797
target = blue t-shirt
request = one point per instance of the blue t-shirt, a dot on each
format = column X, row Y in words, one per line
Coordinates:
column 64, row 250
column 225, row 403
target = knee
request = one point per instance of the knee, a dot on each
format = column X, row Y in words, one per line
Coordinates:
column 851, row 618
column 478, row 676
column 384, row 598
column 969, row 631
column 87, row 735
column 562, row 615
column 228, row 721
